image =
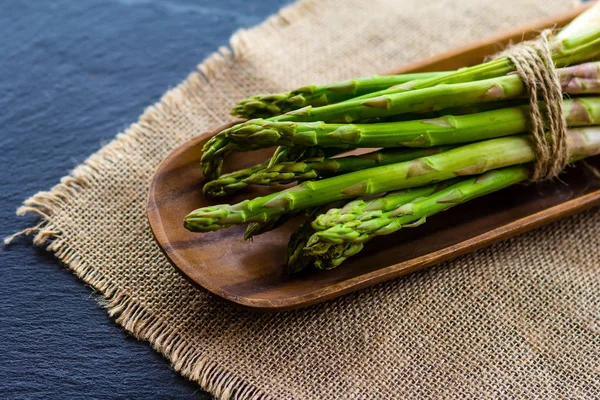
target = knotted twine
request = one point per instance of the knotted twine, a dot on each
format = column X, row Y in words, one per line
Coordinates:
column 533, row 63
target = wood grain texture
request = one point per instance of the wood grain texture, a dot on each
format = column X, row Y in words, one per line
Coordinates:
column 251, row 274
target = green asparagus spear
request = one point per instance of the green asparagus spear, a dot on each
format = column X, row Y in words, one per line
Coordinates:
column 233, row 182
column 299, row 153
column 288, row 153
column 447, row 129
column 230, row 183
column 295, row 258
column 267, row 105
column 432, row 98
column 336, row 255
column 339, row 242
column 471, row 159
column 456, row 111
column 320, row 167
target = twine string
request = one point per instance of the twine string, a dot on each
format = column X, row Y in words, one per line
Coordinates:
column 533, row 63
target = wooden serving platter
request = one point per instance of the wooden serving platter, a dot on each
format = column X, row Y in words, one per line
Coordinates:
column 252, row 274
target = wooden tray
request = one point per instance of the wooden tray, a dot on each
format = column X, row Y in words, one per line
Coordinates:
column 251, row 274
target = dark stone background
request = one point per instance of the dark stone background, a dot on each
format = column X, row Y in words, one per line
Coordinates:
column 73, row 74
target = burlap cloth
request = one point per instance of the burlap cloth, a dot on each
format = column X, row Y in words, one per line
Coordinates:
column 519, row 319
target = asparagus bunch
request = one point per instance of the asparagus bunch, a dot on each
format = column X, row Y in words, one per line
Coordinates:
column 320, row 166
column 338, row 242
column 442, row 139
column 581, row 45
column 471, row 159
column 321, row 218
column 278, row 131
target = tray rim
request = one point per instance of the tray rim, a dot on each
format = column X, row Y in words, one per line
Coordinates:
column 389, row 272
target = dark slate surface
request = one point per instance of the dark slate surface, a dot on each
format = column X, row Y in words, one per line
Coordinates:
column 72, row 75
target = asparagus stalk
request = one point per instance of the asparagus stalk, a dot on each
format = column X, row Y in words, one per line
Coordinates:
column 296, row 259
column 299, row 153
column 319, row 167
column 471, row 159
column 443, row 130
column 233, row 182
column 285, row 154
column 267, row 105
column 348, row 238
column 430, row 98
column 472, row 109
column 336, row 255
column 230, row 183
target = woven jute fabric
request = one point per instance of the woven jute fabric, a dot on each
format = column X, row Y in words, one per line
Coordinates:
column 519, row 319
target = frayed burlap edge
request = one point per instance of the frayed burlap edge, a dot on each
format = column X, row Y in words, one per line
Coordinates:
column 126, row 311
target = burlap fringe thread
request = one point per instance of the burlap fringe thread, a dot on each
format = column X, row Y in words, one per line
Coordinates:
column 126, row 310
